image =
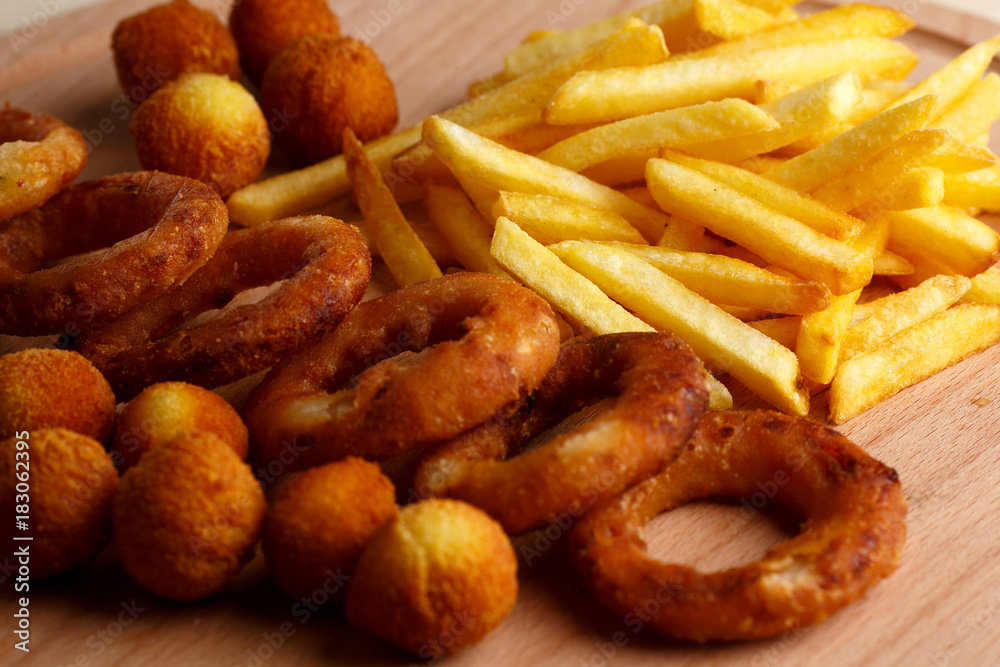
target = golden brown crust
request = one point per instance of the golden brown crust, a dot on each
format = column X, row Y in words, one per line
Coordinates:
column 324, row 265
column 39, row 156
column 492, row 341
column 166, row 410
column 205, row 127
column 157, row 230
column 49, row 388
column 321, row 84
column 72, row 484
column 264, row 27
column 851, row 539
column 165, row 41
column 187, row 517
column 437, row 578
column 659, row 391
column 321, row 521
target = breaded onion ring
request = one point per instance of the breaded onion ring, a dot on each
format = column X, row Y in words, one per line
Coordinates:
column 39, row 156
column 325, row 267
column 48, row 388
column 492, row 342
column 852, row 537
column 660, row 392
column 162, row 228
column 438, row 577
column 264, row 27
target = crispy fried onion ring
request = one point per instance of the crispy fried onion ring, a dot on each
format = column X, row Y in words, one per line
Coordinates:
column 39, row 156
column 852, row 537
column 491, row 342
column 156, row 229
column 660, row 392
column 324, row 265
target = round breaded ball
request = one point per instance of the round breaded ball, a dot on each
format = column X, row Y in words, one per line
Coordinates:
column 164, row 411
column 48, row 388
column 206, row 127
column 165, row 41
column 187, row 517
column 264, row 27
column 321, row 84
column 320, row 523
column 437, row 578
column 69, row 483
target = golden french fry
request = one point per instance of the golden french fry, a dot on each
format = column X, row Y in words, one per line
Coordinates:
column 824, row 219
column 862, row 182
column 889, row 263
column 911, row 356
column 733, row 282
column 974, row 189
column 465, row 231
column 491, row 164
column 985, row 287
column 957, row 158
column 620, row 170
column 580, row 300
column 972, row 115
column 783, row 330
column 965, row 245
column 821, row 165
column 777, row 238
column 552, row 219
column 802, row 113
column 919, row 187
column 902, row 310
column 400, row 247
column 675, row 127
column 764, row 366
column 612, row 94
column 729, row 19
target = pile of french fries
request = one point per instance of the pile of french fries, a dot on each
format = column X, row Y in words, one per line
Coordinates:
column 765, row 185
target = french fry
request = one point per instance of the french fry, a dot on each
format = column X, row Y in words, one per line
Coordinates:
column 465, row 231
column 985, row 287
column 549, row 220
column 733, row 282
column 729, row 19
column 889, row 263
column 579, row 299
column 919, row 187
column 811, row 170
column 612, row 94
column 802, row 113
column 860, row 183
column 902, row 310
column 764, row 366
column 820, row 217
column 911, row 356
column 974, row 189
column 972, row 115
column 491, row 164
column 958, row 241
column 777, row 238
column 698, row 123
column 957, row 158
column 783, row 330
column 401, row 249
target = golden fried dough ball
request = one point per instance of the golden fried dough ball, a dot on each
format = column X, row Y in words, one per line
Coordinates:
column 165, row 41
column 321, row 521
column 66, row 482
column 164, row 411
column 264, row 27
column 206, row 127
column 41, row 388
column 437, row 578
column 187, row 517
column 319, row 85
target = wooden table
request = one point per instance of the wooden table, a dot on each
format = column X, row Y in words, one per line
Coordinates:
column 941, row 608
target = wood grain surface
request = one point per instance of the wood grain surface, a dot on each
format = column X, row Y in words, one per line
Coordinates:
column 942, row 607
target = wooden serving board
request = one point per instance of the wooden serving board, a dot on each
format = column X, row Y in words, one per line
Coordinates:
column 942, row 607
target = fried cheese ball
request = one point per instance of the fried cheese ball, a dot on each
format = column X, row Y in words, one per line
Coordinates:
column 166, row 410
column 165, row 41
column 320, row 523
column 187, row 517
column 264, row 27
column 321, row 84
column 206, row 127
column 435, row 579
column 48, row 388
column 65, row 484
